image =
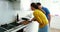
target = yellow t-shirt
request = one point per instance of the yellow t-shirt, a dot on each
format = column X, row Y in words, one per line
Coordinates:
column 40, row 17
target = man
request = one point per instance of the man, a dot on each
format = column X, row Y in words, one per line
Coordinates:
column 40, row 17
column 46, row 11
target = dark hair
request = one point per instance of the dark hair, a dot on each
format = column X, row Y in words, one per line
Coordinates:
column 38, row 3
column 34, row 5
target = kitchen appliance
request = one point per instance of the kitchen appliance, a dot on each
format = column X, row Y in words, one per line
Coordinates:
column 11, row 27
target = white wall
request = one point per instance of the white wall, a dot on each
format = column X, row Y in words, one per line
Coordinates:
column 25, row 4
column 55, row 22
column 52, row 5
column 16, row 5
column 7, row 14
column 35, row 1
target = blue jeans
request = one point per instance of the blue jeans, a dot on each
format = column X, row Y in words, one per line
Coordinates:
column 44, row 29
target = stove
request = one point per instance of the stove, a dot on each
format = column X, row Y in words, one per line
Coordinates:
column 12, row 27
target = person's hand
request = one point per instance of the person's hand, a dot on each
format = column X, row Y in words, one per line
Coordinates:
column 33, row 19
column 25, row 22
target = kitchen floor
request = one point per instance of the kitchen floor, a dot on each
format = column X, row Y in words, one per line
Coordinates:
column 54, row 30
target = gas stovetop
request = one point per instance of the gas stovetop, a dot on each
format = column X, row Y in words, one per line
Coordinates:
column 8, row 26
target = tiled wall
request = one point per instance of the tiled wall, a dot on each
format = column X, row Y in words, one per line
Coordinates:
column 7, row 12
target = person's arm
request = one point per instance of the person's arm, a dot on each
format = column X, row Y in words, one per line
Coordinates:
column 48, row 15
column 25, row 22
column 33, row 19
column 49, row 18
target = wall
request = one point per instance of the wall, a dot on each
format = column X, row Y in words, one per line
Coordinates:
column 55, row 22
column 52, row 5
column 16, row 5
column 25, row 4
column 7, row 14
